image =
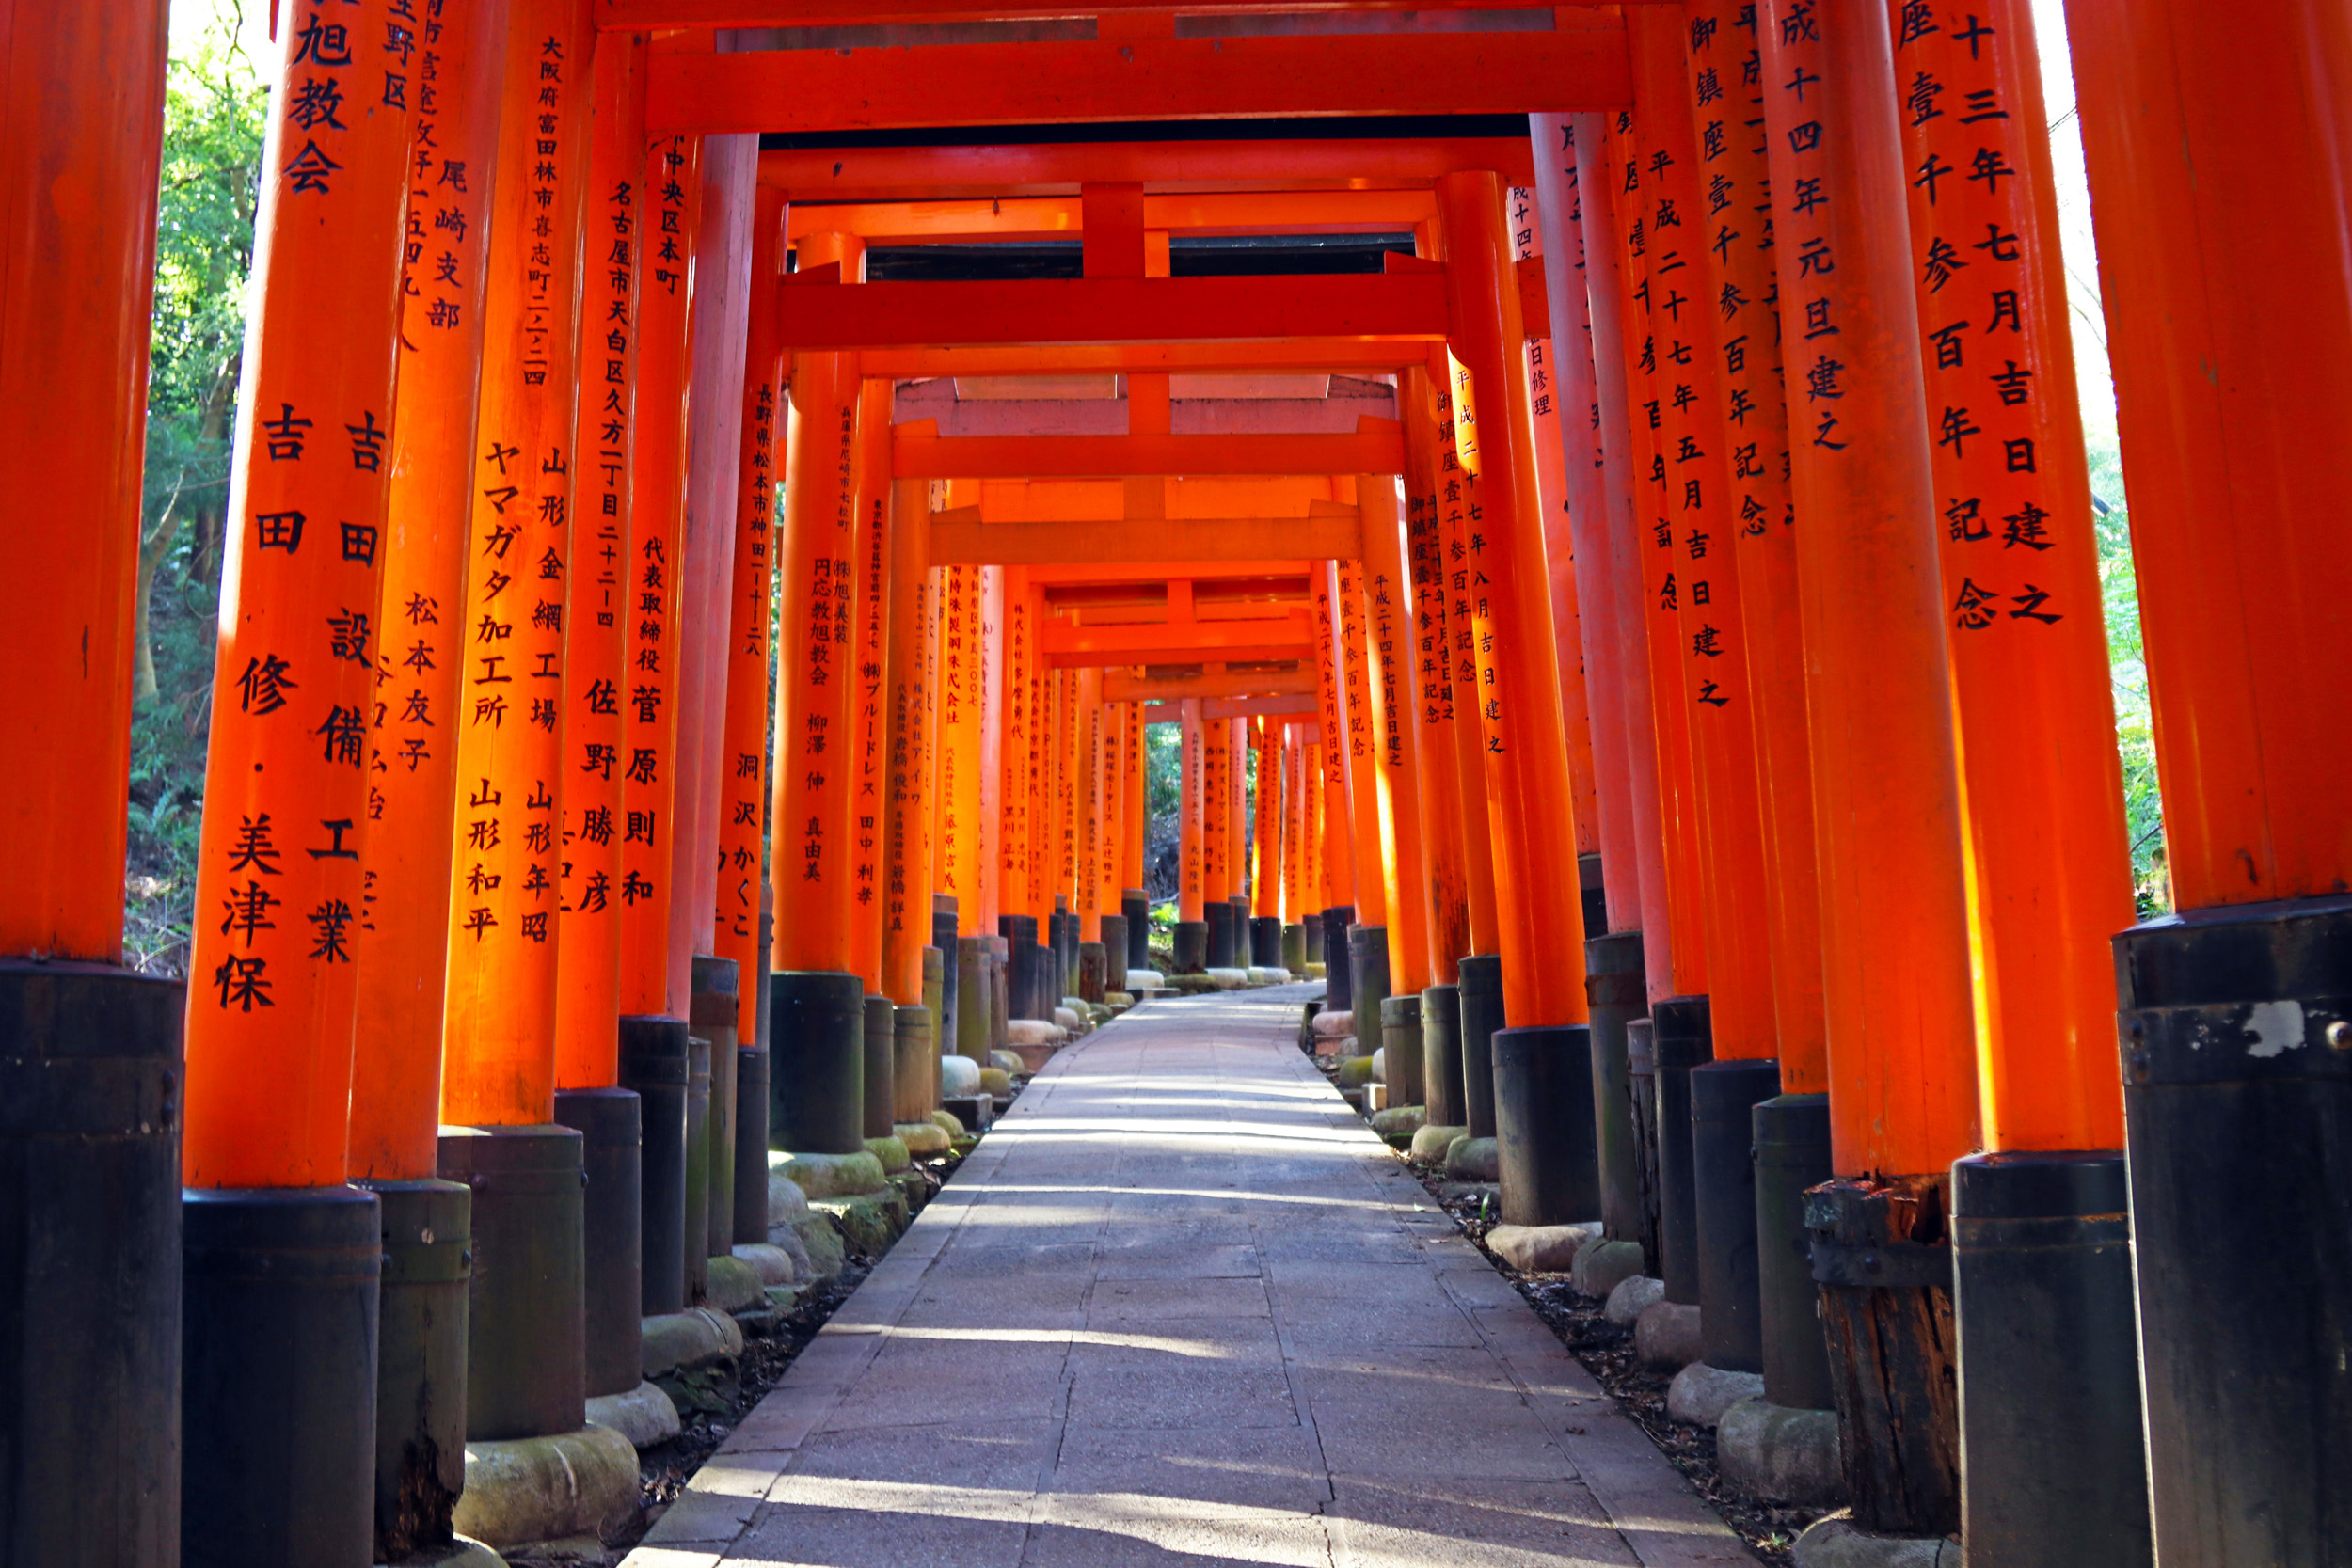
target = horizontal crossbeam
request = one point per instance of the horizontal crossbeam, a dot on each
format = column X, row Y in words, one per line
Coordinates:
column 824, row 315
column 1379, row 449
column 1288, row 706
column 962, row 539
column 1031, row 219
column 1059, row 82
column 1319, row 356
column 648, row 14
column 1118, row 686
column 1059, row 169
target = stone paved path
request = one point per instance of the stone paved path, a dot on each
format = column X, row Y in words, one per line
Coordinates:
column 1180, row 1308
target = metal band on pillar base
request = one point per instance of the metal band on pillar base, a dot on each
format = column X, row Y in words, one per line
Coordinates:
column 1882, row 1259
column 816, row 1063
column 1114, row 952
column 2237, row 1050
column 1543, row 1085
column 751, row 1091
column 914, row 1063
column 427, row 1268
column 1441, row 1056
column 1135, row 905
column 972, row 999
column 1594, row 898
column 526, row 1340
column 2053, row 1465
column 653, row 1065
column 1367, row 978
column 1400, row 1050
column 1192, row 946
column 1481, row 979
column 697, row 1228
column 278, row 1398
column 1218, row 913
column 611, row 1230
column 715, row 1009
column 1641, row 1081
column 89, row 1184
column 880, row 1053
column 1615, row 995
column 1792, row 1155
column 1338, row 990
column 1723, row 1096
column 1683, row 1039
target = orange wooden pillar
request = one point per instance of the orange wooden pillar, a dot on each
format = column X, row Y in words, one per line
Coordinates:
column 1266, row 828
column 1443, row 844
column 280, row 894
column 1016, row 730
column 1885, row 781
column 956, row 873
column 816, row 1034
column 1217, row 848
column 82, row 100
column 1191, row 935
column 1339, row 832
column 1355, row 699
column 2227, row 314
column 1296, row 820
column 742, row 793
column 992, row 678
column 1392, row 643
column 1460, row 507
column 1693, row 511
column 403, row 954
column 906, row 894
column 1110, row 783
column 1542, row 1064
column 1567, row 627
column 870, row 728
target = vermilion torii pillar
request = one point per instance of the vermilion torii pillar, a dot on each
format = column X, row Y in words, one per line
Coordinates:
column 403, row 947
column 1543, row 1070
column 525, row 1339
column 1388, row 622
column 1217, row 850
column 906, row 890
column 1191, row 950
column 2206, row 136
column 2052, row 1459
column 1017, row 759
column 279, row 890
column 1338, row 832
column 1367, row 935
column 870, row 734
column 654, row 1048
column 817, row 1038
column 1885, row 780
column 93, row 1182
column 1433, row 701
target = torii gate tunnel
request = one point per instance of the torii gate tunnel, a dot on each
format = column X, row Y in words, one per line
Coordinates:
column 724, row 488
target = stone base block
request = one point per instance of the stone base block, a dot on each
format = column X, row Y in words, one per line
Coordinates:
column 1032, row 1057
column 1400, row 1122
column 1605, row 1265
column 1265, row 975
column 1355, row 1073
column 1474, row 1160
column 1431, row 1142
column 1192, row 985
column 644, row 1415
column 463, row 1552
column 924, row 1139
column 1314, row 971
column 1540, row 1248
column 1700, row 1394
column 869, row 1223
column 818, row 1240
column 974, row 1111
column 958, row 1077
column 1329, row 1026
column 831, row 1175
column 1006, row 1060
column 1375, row 1100
column 1339, row 1046
column 948, row 1122
column 539, row 1488
column 1835, row 1542
column 1228, row 979
column 773, row 1264
column 1774, row 1454
column 996, row 1081
column 1141, row 980
column 1069, row 1018
column 1632, row 1296
column 1379, row 1064
column 735, row 1286
column 1667, row 1335
column 785, row 1198
column 680, row 1342
column 891, row 1153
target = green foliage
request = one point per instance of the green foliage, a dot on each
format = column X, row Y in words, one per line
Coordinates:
column 206, row 196
column 2135, row 730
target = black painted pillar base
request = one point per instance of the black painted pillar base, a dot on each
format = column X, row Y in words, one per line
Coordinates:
column 879, row 1052
column 611, row 1225
column 2053, row 1466
column 913, row 1065
column 1294, row 949
column 1882, row 1257
column 972, row 999
column 2237, row 1103
column 526, row 1331
column 1136, row 907
column 697, row 1228
column 1240, row 903
column 1311, row 927
column 1367, row 978
column 1114, row 952
column 1615, row 993
column 1441, row 1055
column 1543, row 1080
column 1792, row 1133
column 278, row 1371
column 89, row 1186
column 428, row 1269
column 1400, row 1050
column 816, row 1063
column 1339, row 991
column 1019, row 965
column 1640, row 1079
column 716, row 1014
column 653, row 1065
column 1480, row 977
column 1265, row 941
column 1219, row 914
column 1192, row 946
column 1094, row 965
column 1683, row 1039
column 1592, row 899
column 751, row 1091
column 944, row 939
column 1723, row 1096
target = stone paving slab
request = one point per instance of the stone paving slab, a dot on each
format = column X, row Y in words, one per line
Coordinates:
column 1182, row 1309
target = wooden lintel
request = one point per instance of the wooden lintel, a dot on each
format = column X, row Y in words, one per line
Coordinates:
column 650, row 14
column 1118, row 686
column 1365, row 356
column 1060, row 168
column 962, row 539
column 1377, row 449
column 1174, row 653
